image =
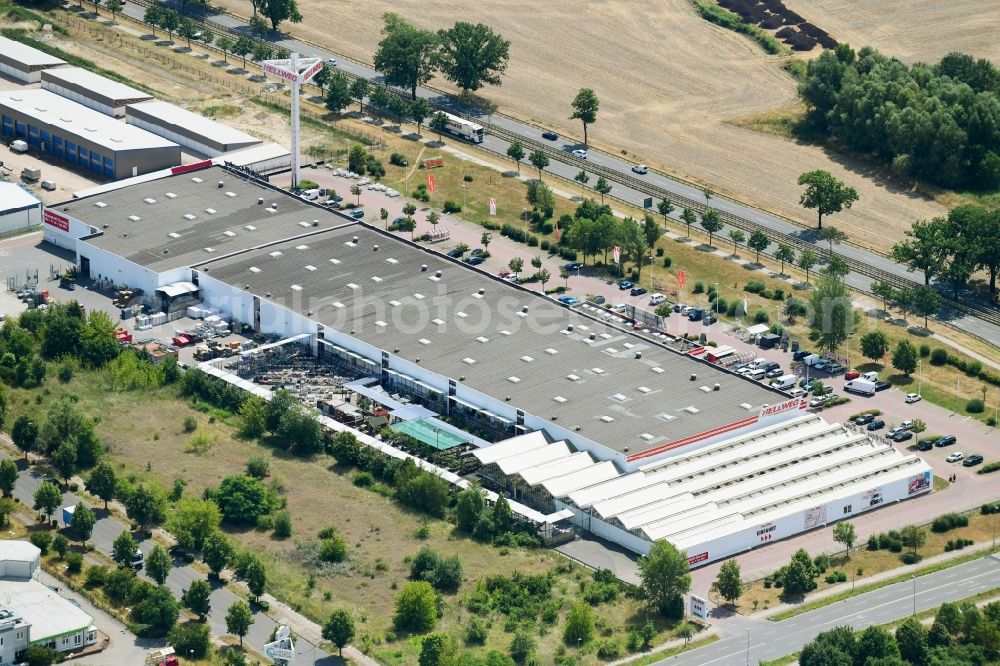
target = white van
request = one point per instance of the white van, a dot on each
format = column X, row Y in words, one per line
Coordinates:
column 784, row 382
column 310, row 195
column 869, row 377
column 756, row 373
column 812, row 359
column 860, row 386
column 19, row 146
column 656, row 299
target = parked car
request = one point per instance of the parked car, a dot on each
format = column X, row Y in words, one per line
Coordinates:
column 568, row 300
column 955, row 457
column 835, row 368
column 801, row 354
column 972, row 460
column 925, row 445
column 332, row 62
column 696, row 314
column 946, row 440
column 902, row 436
column 912, row 398
column 625, row 284
column 640, row 169
column 877, row 424
column 455, row 254
column 870, row 376
column 769, row 365
column 898, row 429
column 883, row 385
column 851, row 374
column 637, row 291
column 478, row 252
column 474, row 261
column 819, row 401
column 864, row 419
column 581, row 153
column 657, row 298
column 755, row 373
column 774, row 372
column 821, row 364
column 550, row 136
column 573, row 266
column 807, row 382
column 356, row 213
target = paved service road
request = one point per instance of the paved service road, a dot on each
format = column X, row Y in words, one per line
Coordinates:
column 568, row 166
column 770, row 640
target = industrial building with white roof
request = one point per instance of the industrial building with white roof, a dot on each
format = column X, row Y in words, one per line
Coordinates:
column 92, row 90
column 632, row 436
column 25, row 63
column 191, row 130
column 60, row 127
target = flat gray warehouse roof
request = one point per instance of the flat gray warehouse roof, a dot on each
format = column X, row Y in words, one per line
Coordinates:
column 587, row 377
column 187, row 219
column 26, row 57
column 192, row 125
column 95, row 85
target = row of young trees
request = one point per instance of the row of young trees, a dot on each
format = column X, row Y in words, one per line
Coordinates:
column 938, row 123
column 469, row 55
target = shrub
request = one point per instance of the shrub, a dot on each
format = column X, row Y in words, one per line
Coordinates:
column 659, row 251
column 452, row 207
column 476, row 632
column 190, row 424
column 283, row 525
column 74, row 563
column 987, row 469
column 363, row 479
column 754, row 287
column 721, row 304
column 545, row 245
column 699, row 287
column 949, row 521
column 939, row 357
column 532, row 241
column 975, row 406
column 609, row 649
column 873, row 542
column 96, row 576
column 333, row 550
column 761, row 317
column 468, row 178
column 398, row 159
column 778, row 295
column 988, row 509
column 667, row 262
column 41, row 541
column 925, row 350
column 65, row 373
column 258, row 467
column 910, row 558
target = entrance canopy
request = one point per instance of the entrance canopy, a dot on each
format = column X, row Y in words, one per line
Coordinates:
column 177, row 289
column 432, row 432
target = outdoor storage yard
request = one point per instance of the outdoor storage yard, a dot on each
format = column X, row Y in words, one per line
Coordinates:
column 669, row 94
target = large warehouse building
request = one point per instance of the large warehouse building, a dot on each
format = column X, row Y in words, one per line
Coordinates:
column 191, row 130
column 671, row 446
column 19, row 208
column 92, row 90
column 91, row 140
column 25, row 63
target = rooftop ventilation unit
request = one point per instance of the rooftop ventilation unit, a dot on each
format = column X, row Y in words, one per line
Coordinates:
column 592, row 336
column 716, row 387
column 693, row 377
column 638, row 355
column 374, row 248
column 569, row 328
column 221, row 184
column 481, row 291
column 437, row 274
column 354, row 240
column 423, row 268
column 260, row 201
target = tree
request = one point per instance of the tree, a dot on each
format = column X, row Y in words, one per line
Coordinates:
column 83, row 522
column 103, row 482
column 938, row 636
column 516, row 265
column 242, row 499
column 437, row 650
column 152, row 17
column 339, row 629
column 419, row 110
column 123, row 549
column 261, row 52
column 338, row 95
column 807, row 260
column 197, row 598
column 225, row 44
column 913, row 537
column 665, row 208
column 925, row 248
column 826, row 194
column 833, row 316
column 800, row 574
column 255, row 576
column 651, row 231
column 146, row 506
column 729, row 582
column 359, row 89
column 522, row 646
column 433, row 217
column 885, row 291
column 64, row 460
column 602, row 187
column 911, row 636
column 277, row 11
column 515, row 151
column 688, row 217
column 564, row 276
column 539, row 160
column 585, row 106
column 48, row 497
column 66, row 423
column 925, row 301
column 25, row 434
column 583, row 178
column 238, row 619
column 472, row 56
column 543, row 276
column 875, row 643
column 823, row 654
column 187, row 29
column 579, row 627
column 158, row 564
column 158, row 609
column 758, row 243
column 439, row 123
column 113, row 6
column 785, row 253
column 217, row 552
column 665, row 577
column 242, row 47
column 416, row 607
column 904, row 358
column 406, row 55
column 191, row 638
column 843, row 533
column 874, row 344
column 471, row 501
column 169, row 21
column 950, row 617
column 485, row 240
column 737, row 237
column 8, row 476
column 711, row 222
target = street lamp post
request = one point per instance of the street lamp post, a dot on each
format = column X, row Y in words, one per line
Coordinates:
column 716, row 299
column 748, row 646
column 914, row 595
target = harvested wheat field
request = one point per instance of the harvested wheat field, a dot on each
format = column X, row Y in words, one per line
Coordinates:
column 670, row 84
column 911, row 30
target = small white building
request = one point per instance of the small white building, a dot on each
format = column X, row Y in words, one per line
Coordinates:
column 19, row 208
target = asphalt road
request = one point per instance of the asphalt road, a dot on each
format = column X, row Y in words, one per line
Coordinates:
column 771, row 640
column 107, row 529
column 571, row 166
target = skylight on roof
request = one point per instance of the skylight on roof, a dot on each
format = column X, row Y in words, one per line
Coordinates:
column 572, row 377
column 335, row 261
column 351, row 285
column 461, row 315
column 304, row 224
column 394, row 303
column 657, row 369
column 271, row 209
column 134, row 218
column 514, row 380
column 597, row 371
column 620, row 397
column 296, row 287
column 646, row 436
column 561, row 400
column 551, row 351
column 611, row 350
column 229, row 234
column 211, row 211
column 254, row 269
column 606, row 336
column 527, row 359
column 100, row 204
column 436, row 321
column 376, row 278
column 392, row 261
column 196, row 179
column 381, row 324
column 337, row 304
column 691, row 409
column 210, row 249
column 505, row 332
column 348, row 243
column 418, row 296
column 174, row 234
column 310, row 267
column 434, row 278
column 469, row 361
column 583, row 327
column 607, row 419
column 250, row 227
column 301, row 247
column 424, row 341
column 483, row 339
column 171, row 195
column 276, row 254
column 645, row 389
column 150, row 200
column 188, row 216
column 230, row 194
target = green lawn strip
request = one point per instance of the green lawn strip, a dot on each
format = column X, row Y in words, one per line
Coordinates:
column 847, row 594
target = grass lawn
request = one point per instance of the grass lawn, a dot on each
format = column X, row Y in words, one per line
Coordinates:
column 980, row 529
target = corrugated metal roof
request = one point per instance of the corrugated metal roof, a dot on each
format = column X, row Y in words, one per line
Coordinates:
column 561, row 486
column 96, row 83
column 512, row 446
column 544, row 454
column 28, row 56
column 574, row 463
